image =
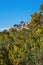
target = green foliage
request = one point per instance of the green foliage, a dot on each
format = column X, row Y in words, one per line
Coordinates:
column 41, row 8
column 23, row 46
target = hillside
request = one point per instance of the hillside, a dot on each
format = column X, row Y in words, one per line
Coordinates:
column 23, row 44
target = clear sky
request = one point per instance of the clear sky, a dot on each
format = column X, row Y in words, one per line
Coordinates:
column 14, row 11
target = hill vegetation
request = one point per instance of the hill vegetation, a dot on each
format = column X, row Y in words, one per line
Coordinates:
column 23, row 44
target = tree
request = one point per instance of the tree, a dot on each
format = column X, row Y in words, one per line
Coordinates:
column 41, row 8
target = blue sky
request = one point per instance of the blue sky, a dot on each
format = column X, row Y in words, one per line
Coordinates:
column 14, row 11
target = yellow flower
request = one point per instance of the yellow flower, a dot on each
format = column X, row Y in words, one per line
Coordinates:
column 39, row 30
